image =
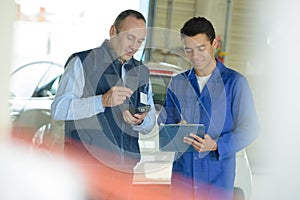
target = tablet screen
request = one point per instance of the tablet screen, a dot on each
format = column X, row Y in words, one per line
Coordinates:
column 171, row 136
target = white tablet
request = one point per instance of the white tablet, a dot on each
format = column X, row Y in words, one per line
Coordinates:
column 171, row 136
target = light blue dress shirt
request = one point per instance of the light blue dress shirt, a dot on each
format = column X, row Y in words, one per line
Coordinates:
column 69, row 104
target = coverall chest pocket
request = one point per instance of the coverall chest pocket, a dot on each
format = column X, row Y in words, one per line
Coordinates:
column 190, row 110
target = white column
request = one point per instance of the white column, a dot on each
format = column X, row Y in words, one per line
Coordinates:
column 8, row 16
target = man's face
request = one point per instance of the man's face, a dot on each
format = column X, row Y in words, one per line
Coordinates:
column 200, row 53
column 128, row 38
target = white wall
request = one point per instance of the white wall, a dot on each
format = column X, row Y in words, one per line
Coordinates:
column 279, row 65
column 7, row 15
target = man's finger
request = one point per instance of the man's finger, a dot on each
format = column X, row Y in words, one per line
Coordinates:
column 122, row 91
column 188, row 140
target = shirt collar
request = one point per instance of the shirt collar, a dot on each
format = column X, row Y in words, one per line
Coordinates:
column 219, row 69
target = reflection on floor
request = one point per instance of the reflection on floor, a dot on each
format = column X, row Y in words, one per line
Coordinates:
column 154, row 168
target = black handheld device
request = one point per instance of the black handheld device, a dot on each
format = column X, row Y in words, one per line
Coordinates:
column 140, row 109
column 137, row 79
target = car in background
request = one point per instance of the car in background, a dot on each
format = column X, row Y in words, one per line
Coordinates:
column 33, row 87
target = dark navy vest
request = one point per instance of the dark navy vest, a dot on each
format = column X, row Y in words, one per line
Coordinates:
column 107, row 132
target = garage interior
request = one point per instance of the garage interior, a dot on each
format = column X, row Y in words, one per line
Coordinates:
column 251, row 35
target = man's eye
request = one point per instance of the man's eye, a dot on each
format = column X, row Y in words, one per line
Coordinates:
column 201, row 48
column 188, row 50
column 129, row 37
column 140, row 41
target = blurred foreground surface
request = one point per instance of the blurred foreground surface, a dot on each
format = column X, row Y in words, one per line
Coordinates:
column 45, row 172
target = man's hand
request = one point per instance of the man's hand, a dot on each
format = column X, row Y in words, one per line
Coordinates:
column 135, row 119
column 201, row 145
column 182, row 122
column 115, row 96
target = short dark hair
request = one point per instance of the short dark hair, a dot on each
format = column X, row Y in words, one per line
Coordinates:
column 127, row 13
column 198, row 25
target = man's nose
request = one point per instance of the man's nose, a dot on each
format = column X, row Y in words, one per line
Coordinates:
column 198, row 53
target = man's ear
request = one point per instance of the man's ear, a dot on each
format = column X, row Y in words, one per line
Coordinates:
column 112, row 31
column 215, row 43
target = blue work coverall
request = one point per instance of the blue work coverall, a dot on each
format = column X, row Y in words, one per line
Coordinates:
column 226, row 108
